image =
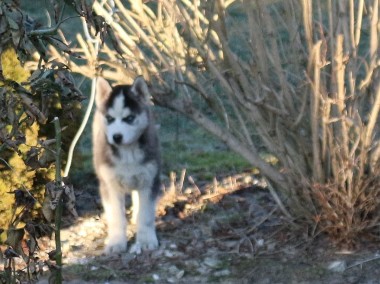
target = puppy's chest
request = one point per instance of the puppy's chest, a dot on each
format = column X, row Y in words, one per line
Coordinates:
column 131, row 171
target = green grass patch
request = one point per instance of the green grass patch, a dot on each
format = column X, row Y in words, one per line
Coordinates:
column 202, row 163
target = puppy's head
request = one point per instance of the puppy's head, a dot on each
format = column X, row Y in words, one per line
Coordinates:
column 124, row 109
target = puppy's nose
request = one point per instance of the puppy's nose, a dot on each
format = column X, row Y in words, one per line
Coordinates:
column 117, row 138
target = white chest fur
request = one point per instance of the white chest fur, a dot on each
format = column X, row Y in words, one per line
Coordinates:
column 128, row 171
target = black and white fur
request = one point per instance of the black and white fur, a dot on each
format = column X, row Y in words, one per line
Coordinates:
column 126, row 160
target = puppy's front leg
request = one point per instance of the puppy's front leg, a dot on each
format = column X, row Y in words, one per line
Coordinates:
column 146, row 232
column 135, row 206
column 114, row 210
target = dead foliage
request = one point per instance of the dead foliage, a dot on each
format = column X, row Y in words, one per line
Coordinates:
column 299, row 78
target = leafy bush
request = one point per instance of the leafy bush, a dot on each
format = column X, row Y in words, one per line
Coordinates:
column 27, row 158
column 32, row 96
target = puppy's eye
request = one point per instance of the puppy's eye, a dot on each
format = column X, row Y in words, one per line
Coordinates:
column 129, row 119
column 109, row 118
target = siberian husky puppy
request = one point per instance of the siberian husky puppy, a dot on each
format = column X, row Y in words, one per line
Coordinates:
column 126, row 161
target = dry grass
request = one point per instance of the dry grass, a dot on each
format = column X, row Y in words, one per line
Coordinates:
column 301, row 77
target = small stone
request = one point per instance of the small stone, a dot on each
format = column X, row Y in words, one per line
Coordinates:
column 173, row 246
column 168, row 253
column 211, row 262
column 220, row 273
column 260, row 242
column 156, row 277
column 337, row 266
column 180, row 274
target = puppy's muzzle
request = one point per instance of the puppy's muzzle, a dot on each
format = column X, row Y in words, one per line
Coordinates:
column 117, row 138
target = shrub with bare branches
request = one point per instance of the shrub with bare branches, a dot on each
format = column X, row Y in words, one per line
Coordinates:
column 299, row 77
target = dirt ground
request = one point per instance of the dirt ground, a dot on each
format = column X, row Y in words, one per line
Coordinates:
column 228, row 231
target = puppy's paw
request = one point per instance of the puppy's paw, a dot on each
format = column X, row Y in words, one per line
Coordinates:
column 137, row 247
column 114, row 246
column 144, row 242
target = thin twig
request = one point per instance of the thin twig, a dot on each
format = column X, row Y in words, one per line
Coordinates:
column 59, row 208
column 181, row 180
column 51, row 30
column 6, row 163
column 263, row 219
column 376, row 257
column 191, row 180
column 278, row 201
column 87, row 114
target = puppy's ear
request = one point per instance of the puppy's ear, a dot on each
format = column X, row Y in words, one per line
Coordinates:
column 103, row 91
column 140, row 89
